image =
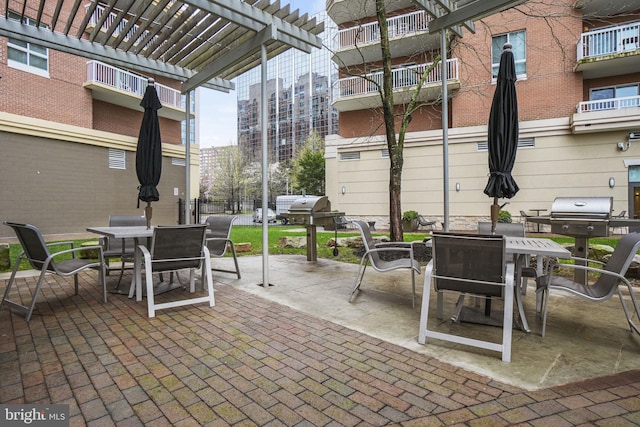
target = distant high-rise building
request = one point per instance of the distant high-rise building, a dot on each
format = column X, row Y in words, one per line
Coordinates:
column 298, row 100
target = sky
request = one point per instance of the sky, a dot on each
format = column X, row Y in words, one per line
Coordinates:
column 218, row 110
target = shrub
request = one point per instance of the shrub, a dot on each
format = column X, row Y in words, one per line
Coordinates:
column 409, row 215
column 504, row 216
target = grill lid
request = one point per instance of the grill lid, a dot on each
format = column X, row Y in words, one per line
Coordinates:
column 310, row 205
column 582, row 207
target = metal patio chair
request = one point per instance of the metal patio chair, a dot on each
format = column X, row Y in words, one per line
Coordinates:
column 530, row 226
column 609, row 282
column 524, row 272
column 36, row 251
column 121, row 249
column 469, row 265
column 621, row 229
column 422, row 222
column 175, row 248
column 372, row 255
column 218, row 239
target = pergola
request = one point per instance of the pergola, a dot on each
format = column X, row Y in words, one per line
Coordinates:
column 200, row 42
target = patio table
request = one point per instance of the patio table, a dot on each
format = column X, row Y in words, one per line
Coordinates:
column 136, row 233
column 520, row 248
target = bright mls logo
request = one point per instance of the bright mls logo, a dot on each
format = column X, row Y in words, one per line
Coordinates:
column 34, row 415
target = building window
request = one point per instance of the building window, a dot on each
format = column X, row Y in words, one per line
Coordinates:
column 192, row 131
column 519, row 47
column 117, row 159
column 629, row 93
column 27, row 56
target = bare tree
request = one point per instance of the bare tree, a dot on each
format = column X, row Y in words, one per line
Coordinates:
column 229, row 179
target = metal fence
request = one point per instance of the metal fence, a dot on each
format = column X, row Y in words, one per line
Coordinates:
column 201, row 209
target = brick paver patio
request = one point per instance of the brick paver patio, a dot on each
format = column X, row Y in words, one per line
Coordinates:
column 248, row 361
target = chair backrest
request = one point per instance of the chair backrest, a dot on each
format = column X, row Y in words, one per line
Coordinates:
column 115, row 245
column 219, row 226
column 504, row 228
column 469, row 263
column 177, row 247
column 523, row 214
column 622, row 214
column 32, row 243
column 620, row 260
column 367, row 241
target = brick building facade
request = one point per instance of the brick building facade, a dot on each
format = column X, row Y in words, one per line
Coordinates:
column 577, row 99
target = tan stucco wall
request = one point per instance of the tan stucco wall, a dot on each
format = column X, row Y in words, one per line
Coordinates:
column 560, row 164
column 57, row 176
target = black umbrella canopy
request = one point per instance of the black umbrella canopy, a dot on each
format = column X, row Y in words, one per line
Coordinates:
column 503, row 134
column 149, row 151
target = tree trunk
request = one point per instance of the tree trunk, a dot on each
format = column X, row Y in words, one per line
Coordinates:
column 395, row 149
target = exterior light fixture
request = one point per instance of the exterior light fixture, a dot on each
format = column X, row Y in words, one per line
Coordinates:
column 612, row 182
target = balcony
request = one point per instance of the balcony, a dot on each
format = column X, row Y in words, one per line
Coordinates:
column 609, row 51
column 341, row 11
column 121, row 87
column 607, row 115
column 408, row 34
column 98, row 14
column 357, row 93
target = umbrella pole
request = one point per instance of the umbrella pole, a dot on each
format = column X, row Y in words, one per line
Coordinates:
column 495, row 209
column 148, row 210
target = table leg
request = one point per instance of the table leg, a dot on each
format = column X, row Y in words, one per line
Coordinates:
column 517, row 294
column 136, row 280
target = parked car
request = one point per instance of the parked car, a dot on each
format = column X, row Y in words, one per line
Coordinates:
column 257, row 215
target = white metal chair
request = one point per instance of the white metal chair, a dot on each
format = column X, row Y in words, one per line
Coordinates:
column 36, row 251
column 469, row 265
column 175, row 248
column 218, row 239
column 609, row 282
column 372, row 255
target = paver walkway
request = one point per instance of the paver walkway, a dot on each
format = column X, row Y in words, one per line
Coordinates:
column 248, row 361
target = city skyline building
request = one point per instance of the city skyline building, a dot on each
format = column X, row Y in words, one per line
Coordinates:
column 299, row 100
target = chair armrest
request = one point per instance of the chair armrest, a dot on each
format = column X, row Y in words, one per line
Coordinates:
column 74, row 250
column 210, row 239
column 394, row 244
column 70, row 243
column 550, row 274
column 387, row 249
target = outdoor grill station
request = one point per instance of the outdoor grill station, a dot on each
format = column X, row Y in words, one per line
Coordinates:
column 582, row 218
column 312, row 211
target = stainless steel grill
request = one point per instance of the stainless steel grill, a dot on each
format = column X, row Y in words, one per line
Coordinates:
column 578, row 217
column 581, row 218
column 312, row 211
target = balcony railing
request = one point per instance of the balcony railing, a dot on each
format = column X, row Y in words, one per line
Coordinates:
column 370, row 33
column 609, row 104
column 133, row 83
column 402, row 78
column 609, row 41
column 97, row 15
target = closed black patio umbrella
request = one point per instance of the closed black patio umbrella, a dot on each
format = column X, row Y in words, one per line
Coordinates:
column 149, row 151
column 503, row 135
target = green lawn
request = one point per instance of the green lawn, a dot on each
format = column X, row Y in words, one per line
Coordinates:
column 253, row 235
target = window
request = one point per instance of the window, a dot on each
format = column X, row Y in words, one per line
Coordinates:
column 626, row 95
column 519, row 47
column 27, row 56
